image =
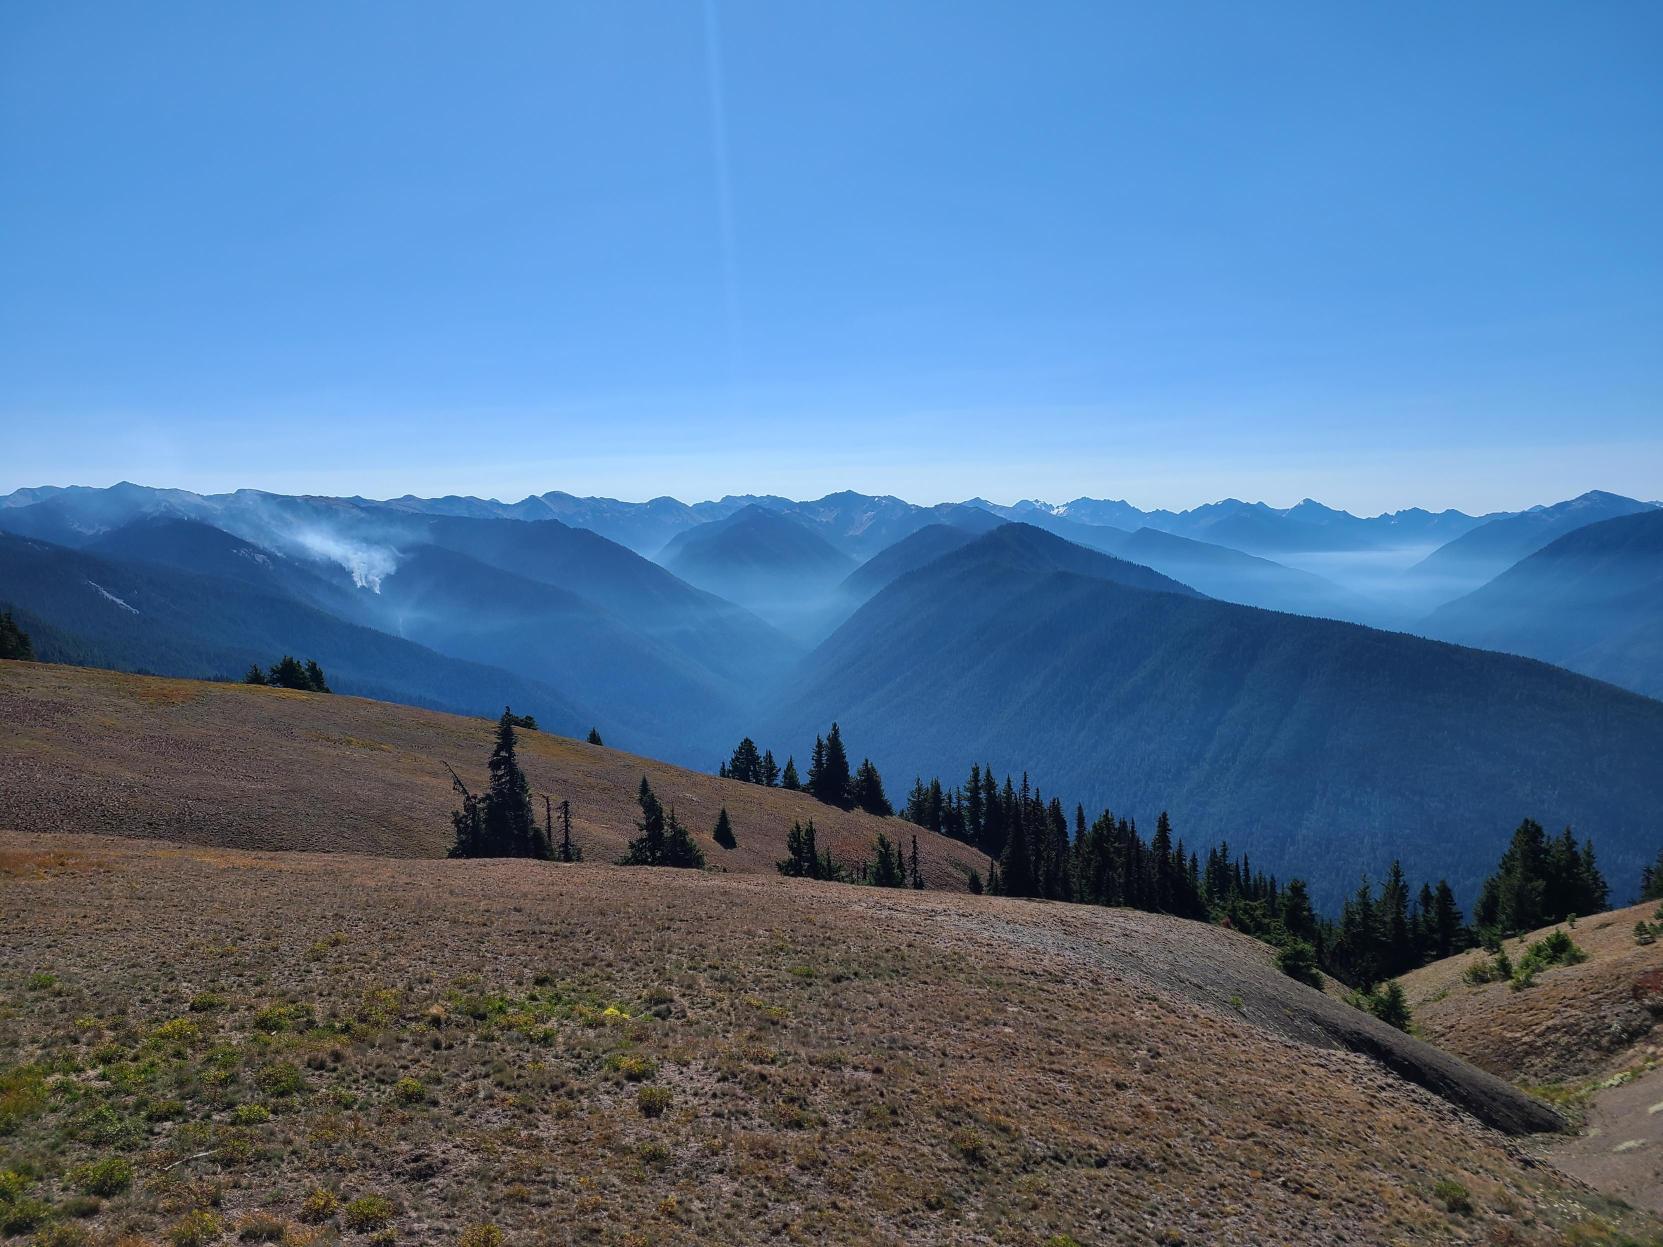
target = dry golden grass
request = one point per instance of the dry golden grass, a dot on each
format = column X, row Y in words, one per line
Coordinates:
column 250, row 767
column 1575, row 1022
column 305, row 1043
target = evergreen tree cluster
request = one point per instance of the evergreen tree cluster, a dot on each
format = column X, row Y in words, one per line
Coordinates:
column 663, row 840
column 1381, row 937
column 750, row 767
column 500, row 821
column 14, row 642
column 890, row 866
column 830, row 779
column 1651, row 880
column 1035, row 853
column 289, row 672
column 1540, row 881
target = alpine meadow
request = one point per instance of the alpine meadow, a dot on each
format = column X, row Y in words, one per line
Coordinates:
column 734, row 623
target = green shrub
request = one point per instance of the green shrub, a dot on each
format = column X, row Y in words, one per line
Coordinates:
column 1554, row 949
column 652, row 1101
column 1387, row 1003
column 632, row 1068
column 22, row 1214
column 206, row 1002
column 1498, row 969
column 62, row 1234
column 366, row 1213
column 480, row 1236
column 251, row 1114
column 1453, row 1196
column 41, row 981
column 409, row 1090
column 262, row 1227
column 107, row 1177
column 319, row 1205
column 1644, row 934
column 1298, row 960
column 970, row 1145
column 101, row 1126
column 194, row 1229
column 282, row 1078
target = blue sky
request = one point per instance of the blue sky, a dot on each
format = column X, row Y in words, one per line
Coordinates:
column 1383, row 255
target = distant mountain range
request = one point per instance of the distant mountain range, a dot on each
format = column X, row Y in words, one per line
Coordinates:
column 1591, row 600
column 1119, row 665
column 1491, row 548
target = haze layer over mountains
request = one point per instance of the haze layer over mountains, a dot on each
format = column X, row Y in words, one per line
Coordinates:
column 1205, row 662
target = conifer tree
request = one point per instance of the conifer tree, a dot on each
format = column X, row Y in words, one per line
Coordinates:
column 723, row 834
column 1016, row 874
column 595, row 736
column 466, row 823
column 14, row 642
column 889, row 868
column 802, row 857
column 679, row 848
column 289, row 673
column 254, row 675
column 746, row 763
column 1447, row 927
column 1651, row 880
column 816, row 766
column 832, row 782
column 510, row 827
column 866, row 789
column 314, row 678
column 788, row 778
column 914, row 875
column 770, row 770
column 647, row 849
column 567, row 850
column 1391, row 1006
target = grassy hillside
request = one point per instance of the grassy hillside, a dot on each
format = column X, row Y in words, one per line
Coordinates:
column 589, row 1054
column 232, row 765
column 1575, row 1024
column 1584, row 1037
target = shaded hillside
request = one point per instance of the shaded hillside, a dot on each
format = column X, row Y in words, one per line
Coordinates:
column 723, row 638
column 142, row 616
column 1490, row 549
column 1233, row 576
column 669, row 668
column 231, row 765
column 907, row 555
column 765, row 561
column 657, row 699
column 838, row 1064
column 1591, row 601
column 1324, row 749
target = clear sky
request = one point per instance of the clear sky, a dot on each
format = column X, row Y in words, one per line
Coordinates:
column 1379, row 254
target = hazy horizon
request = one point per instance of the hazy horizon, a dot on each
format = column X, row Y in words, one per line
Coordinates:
column 996, row 498
column 1378, row 258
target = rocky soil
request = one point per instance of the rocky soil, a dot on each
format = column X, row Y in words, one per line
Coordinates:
column 310, row 1048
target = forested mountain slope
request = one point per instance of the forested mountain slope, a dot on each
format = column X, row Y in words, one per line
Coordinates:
column 1324, row 749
